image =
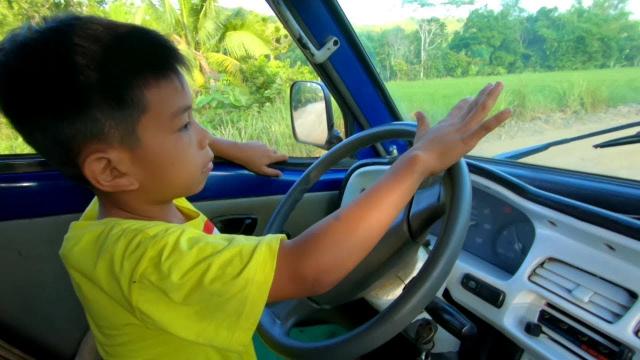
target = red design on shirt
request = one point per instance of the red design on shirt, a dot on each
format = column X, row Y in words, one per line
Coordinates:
column 208, row 228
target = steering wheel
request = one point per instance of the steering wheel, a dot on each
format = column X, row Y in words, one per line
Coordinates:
column 279, row 318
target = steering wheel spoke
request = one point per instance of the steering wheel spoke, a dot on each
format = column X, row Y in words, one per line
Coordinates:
column 287, row 314
column 427, row 207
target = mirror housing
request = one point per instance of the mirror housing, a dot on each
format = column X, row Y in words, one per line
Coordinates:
column 312, row 115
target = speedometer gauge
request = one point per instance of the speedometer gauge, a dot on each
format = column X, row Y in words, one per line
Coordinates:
column 513, row 243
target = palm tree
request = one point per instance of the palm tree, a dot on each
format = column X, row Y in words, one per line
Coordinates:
column 212, row 39
column 15, row 13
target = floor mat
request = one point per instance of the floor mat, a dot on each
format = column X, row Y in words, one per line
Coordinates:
column 305, row 334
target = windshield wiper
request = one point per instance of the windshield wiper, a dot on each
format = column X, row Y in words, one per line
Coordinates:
column 535, row 149
column 623, row 140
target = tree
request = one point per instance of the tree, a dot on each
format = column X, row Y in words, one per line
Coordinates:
column 213, row 40
column 432, row 33
column 391, row 50
column 432, row 30
column 599, row 36
column 15, row 13
column 494, row 39
column 399, row 49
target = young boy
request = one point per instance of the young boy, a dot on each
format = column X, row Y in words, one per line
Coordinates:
column 106, row 102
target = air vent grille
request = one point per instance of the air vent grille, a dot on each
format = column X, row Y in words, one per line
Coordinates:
column 596, row 295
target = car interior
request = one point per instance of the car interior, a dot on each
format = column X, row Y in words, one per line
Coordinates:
column 492, row 259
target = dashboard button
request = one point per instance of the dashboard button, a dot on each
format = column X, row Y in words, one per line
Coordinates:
column 533, row 329
column 472, row 284
column 483, row 290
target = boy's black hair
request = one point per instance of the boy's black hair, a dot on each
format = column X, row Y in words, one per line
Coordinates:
column 79, row 79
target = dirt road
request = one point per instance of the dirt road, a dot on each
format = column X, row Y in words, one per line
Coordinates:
column 622, row 161
column 311, row 123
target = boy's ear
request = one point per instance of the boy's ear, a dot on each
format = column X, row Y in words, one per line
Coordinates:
column 106, row 168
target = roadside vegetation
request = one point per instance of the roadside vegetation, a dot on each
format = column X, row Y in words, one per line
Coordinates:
column 529, row 94
column 585, row 59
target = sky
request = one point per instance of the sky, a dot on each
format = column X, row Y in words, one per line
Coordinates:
column 375, row 12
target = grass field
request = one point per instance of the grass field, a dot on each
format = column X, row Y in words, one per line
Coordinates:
column 531, row 95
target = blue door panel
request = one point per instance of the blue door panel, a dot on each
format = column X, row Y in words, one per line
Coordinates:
column 48, row 193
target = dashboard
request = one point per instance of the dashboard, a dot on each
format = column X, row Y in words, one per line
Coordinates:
column 520, row 243
column 498, row 233
column 509, row 262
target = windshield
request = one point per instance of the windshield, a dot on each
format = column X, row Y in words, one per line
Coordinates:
column 569, row 68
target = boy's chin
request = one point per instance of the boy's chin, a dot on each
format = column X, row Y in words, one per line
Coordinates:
column 197, row 188
column 186, row 190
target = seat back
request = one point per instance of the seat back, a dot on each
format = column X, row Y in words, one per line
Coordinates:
column 39, row 311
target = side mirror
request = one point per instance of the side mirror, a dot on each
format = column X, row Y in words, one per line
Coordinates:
column 312, row 115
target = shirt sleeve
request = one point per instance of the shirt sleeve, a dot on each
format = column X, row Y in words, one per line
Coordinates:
column 207, row 289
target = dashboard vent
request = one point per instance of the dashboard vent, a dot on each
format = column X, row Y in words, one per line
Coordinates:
column 596, row 295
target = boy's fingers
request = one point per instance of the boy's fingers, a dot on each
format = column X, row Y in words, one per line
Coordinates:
column 480, row 111
column 476, row 100
column 488, row 126
column 271, row 172
column 423, row 123
column 460, row 108
column 277, row 157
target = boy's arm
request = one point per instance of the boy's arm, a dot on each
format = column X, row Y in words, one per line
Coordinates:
column 255, row 156
column 316, row 260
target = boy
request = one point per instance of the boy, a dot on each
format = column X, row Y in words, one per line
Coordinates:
column 114, row 111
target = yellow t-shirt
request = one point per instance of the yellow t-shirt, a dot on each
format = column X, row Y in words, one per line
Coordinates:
column 155, row 290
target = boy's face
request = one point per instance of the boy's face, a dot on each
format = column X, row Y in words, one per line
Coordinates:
column 173, row 158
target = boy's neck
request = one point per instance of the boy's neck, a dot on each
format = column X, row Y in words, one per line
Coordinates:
column 113, row 206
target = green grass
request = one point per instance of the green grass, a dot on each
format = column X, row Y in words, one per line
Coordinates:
column 10, row 141
column 270, row 124
column 528, row 94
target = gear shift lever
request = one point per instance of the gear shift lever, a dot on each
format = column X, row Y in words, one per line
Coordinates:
column 452, row 320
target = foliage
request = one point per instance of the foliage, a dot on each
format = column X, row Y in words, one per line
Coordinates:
column 432, row 31
column 15, row 13
column 507, row 41
column 10, row 141
column 213, row 40
column 269, row 124
column 240, row 61
column 270, row 80
column 266, row 81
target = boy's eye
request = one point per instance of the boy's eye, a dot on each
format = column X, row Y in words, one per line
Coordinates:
column 186, row 126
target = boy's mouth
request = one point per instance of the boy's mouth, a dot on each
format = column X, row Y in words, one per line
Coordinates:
column 208, row 167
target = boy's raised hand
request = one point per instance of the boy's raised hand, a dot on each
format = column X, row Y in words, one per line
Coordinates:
column 459, row 131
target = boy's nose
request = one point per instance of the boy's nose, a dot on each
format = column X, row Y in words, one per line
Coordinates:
column 204, row 137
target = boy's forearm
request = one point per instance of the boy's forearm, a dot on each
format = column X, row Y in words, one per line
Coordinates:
column 226, row 149
column 325, row 253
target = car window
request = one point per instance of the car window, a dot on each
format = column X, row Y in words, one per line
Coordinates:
column 569, row 68
column 242, row 63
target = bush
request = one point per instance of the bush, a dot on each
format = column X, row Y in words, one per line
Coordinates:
column 264, row 82
column 269, row 80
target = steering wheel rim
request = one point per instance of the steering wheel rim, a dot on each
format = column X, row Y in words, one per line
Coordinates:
column 417, row 293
